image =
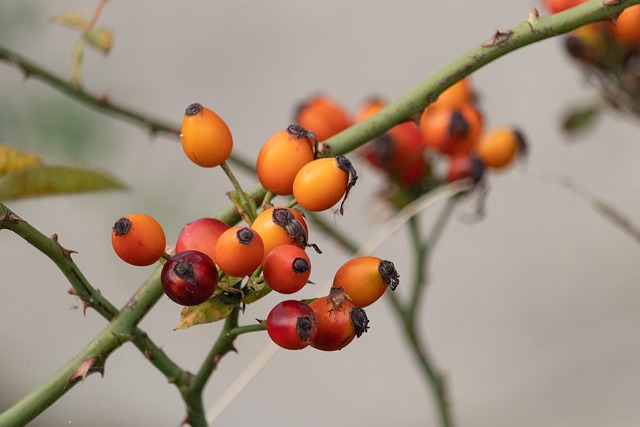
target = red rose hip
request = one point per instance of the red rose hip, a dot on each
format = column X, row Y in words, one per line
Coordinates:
column 292, row 325
column 189, row 278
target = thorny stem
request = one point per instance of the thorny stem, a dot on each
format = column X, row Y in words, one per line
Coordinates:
column 407, row 313
column 416, row 99
column 102, row 103
column 122, row 328
column 90, row 360
column 192, row 394
column 90, row 297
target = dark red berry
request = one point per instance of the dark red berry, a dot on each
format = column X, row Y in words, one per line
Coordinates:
column 189, row 278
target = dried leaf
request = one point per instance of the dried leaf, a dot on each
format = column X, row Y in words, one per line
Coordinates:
column 212, row 310
column 42, row 180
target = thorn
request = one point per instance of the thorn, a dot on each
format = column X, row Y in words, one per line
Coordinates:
column 103, row 98
column 499, row 38
column 72, row 291
column 15, row 218
column 86, row 304
column 186, row 421
column 148, row 354
column 67, row 252
column 611, row 2
column 216, row 359
column 86, row 368
column 533, row 18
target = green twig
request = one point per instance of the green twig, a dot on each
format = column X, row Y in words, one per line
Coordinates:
column 99, row 102
column 123, row 326
column 193, row 393
column 90, row 360
column 422, row 249
column 496, row 46
column 433, row 377
column 90, row 297
column 102, row 103
column 241, row 330
column 247, row 207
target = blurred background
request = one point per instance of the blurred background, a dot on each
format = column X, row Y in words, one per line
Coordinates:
column 532, row 312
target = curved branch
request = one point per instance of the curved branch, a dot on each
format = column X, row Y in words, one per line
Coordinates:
column 101, row 102
column 501, row 43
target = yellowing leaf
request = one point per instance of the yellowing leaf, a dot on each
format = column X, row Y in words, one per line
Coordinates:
column 12, row 158
column 41, row 180
column 101, row 39
column 212, row 310
column 70, row 19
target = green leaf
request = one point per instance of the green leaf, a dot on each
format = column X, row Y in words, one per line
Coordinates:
column 212, row 310
column 580, row 119
column 41, row 180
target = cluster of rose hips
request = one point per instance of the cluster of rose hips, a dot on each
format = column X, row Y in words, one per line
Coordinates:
column 212, row 257
column 609, row 51
column 445, row 143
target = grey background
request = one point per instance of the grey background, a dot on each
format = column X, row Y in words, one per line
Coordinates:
column 531, row 312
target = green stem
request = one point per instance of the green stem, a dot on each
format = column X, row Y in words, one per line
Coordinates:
column 240, row 330
column 419, row 254
column 192, row 394
column 90, row 360
column 422, row 249
column 123, row 325
column 247, row 207
column 89, row 296
column 416, row 99
column 62, row 258
column 102, row 103
column 433, row 378
column 267, row 199
column 59, row 383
